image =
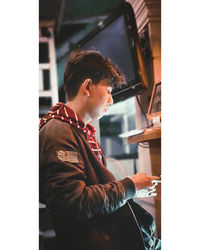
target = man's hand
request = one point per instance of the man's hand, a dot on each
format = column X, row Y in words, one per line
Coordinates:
column 142, row 180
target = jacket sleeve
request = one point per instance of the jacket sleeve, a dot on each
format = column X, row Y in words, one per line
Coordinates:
column 64, row 180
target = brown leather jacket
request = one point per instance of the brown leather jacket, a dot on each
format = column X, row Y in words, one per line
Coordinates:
column 88, row 207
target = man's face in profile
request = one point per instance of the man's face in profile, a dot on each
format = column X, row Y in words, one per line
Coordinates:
column 100, row 99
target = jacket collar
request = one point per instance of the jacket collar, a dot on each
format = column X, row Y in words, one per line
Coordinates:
column 62, row 112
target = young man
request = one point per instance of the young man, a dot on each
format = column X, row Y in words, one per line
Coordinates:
column 88, row 207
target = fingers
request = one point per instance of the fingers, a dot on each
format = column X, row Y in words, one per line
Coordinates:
column 153, row 180
column 154, row 177
column 142, row 180
column 149, row 184
column 150, row 177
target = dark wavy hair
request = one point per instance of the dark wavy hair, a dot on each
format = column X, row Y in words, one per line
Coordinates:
column 83, row 64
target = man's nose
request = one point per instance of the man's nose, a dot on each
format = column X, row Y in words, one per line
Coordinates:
column 110, row 99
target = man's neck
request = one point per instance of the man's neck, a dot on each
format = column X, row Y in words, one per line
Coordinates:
column 79, row 110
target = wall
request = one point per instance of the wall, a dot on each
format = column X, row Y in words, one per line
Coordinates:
column 148, row 19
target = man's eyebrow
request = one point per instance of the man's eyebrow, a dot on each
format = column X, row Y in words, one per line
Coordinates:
column 110, row 85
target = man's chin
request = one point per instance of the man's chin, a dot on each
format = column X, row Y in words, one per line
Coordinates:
column 100, row 115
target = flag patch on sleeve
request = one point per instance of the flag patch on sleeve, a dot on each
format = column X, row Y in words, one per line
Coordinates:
column 69, row 156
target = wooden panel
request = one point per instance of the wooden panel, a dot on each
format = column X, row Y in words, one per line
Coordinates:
column 148, row 135
column 153, row 136
column 155, row 153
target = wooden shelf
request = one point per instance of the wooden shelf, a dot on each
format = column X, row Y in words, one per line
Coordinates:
column 153, row 136
column 148, row 135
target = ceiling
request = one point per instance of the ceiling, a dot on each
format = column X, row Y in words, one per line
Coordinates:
column 75, row 12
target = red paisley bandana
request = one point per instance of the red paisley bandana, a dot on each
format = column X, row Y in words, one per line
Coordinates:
column 62, row 112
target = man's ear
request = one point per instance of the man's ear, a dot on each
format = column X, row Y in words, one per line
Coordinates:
column 86, row 86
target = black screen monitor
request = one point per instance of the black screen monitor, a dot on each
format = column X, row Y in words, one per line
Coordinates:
column 117, row 38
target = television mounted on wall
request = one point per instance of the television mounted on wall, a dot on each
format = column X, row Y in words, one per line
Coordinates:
column 117, row 38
